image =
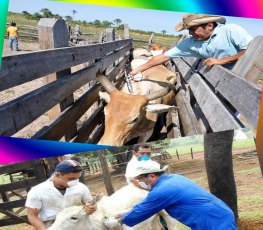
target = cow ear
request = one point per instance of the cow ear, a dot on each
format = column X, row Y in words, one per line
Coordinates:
column 104, row 96
column 159, row 108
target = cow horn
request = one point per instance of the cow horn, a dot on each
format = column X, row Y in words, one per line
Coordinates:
column 108, row 86
column 158, row 94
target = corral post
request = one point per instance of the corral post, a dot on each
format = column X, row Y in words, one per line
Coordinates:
column 219, row 167
column 106, row 173
column 39, row 170
column 53, row 33
column 126, row 31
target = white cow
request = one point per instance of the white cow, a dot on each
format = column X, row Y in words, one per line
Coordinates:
column 123, row 199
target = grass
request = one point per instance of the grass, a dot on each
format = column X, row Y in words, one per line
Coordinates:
column 166, row 40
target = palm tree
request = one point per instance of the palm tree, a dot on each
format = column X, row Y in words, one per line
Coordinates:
column 117, row 21
column 106, row 23
column 219, row 167
column 73, row 13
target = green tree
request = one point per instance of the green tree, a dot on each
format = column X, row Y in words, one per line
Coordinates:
column 117, row 22
column 68, row 18
column 27, row 14
column 57, row 16
column 163, row 32
column 106, row 23
column 46, row 13
column 36, row 16
column 97, row 23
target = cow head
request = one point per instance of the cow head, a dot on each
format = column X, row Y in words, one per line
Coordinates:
column 125, row 113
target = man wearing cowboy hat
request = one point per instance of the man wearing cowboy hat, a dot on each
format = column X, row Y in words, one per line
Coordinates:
column 216, row 44
column 183, row 200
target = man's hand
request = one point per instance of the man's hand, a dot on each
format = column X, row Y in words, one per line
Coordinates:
column 89, row 209
column 211, row 61
column 111, row 223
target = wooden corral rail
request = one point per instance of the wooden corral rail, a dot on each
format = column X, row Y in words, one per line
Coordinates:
column 218, row 99
column 20, row 69
column 13, row 194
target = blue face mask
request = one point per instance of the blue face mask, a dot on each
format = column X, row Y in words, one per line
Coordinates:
column 144, row 158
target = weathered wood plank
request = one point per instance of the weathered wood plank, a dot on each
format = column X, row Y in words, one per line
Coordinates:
column 28, row 183
column 250, row 65
column 16, row 167
column 13, row 204
column 97, row 135
column 22, row 68
column 173, row 124
column 216, row 114
column 18, row 113
column 89, row 125
column 58, row 127
column 9, row 221
column 54, row 34
column 14, row 216
column 243, row 95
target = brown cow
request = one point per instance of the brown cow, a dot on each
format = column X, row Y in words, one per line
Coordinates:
column 134, row 115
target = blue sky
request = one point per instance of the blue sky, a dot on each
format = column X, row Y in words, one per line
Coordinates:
column 148, row 20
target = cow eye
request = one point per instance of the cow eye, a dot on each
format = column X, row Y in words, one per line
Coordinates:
column 74, row 219
column 135, row 120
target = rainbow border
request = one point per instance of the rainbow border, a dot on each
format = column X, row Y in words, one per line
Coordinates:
column 18, row 149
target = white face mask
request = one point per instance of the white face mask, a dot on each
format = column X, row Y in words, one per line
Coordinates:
column 73, row 182
column 145, row 186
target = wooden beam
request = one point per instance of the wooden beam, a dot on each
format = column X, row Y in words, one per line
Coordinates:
column 14, row 216
column 16, row 167
column 13, row 204
column 22, row 111
column 89, row 125
column 216, row 114
column 18, row 69
column 10, row 221
column 28, row 183
column 106, row 173
column 173, row 124
column 250, row 65
column 243, row 95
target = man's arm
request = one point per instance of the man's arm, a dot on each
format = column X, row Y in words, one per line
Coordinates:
column 32, row 214
column 222, row 61
column 157, row 60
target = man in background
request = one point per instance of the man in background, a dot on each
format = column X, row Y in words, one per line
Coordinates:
column 12, row 35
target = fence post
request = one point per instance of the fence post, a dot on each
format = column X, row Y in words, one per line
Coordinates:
column 192, row 153
column 53, row 33
column 126, row 31
column 106, row 172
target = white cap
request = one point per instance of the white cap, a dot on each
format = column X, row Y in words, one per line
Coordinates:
column 145, row 167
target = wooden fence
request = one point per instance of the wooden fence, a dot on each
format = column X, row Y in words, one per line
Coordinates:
column 218, row 99
column 57, row 94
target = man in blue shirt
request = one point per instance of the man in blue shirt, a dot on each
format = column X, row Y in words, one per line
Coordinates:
column 216, row 44
column 183, row 200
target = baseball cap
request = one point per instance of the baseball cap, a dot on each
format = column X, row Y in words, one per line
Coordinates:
column 146, row 167
column 68, row 166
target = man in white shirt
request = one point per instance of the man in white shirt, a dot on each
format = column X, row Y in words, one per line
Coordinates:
column 141, row 152
column 62, row 190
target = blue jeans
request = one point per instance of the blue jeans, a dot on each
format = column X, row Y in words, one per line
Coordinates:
column 13, row 40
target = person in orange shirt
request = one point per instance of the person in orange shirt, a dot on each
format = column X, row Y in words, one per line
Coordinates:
column 12, row 34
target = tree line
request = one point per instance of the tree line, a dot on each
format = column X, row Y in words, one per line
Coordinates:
column 46, row 13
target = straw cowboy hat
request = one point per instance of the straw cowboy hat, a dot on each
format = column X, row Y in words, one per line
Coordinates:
column 190, row 20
